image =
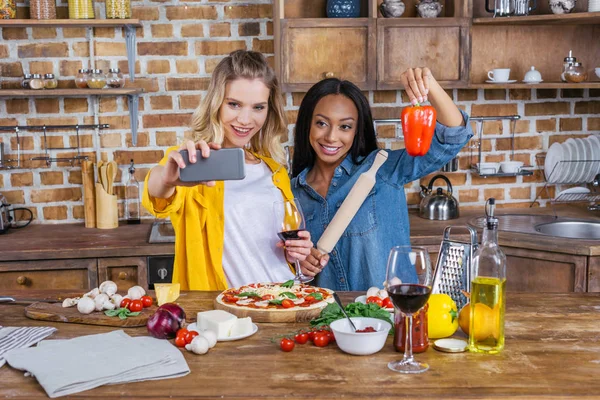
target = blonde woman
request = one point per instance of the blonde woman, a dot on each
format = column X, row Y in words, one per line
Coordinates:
column 224, row 231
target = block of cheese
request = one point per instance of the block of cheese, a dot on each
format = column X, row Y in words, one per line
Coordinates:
column 219, row 321
column 166, row 292
column 243, row 326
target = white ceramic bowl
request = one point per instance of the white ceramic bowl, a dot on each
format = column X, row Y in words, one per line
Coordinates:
column 597, row 72
column 362, row 343
column 510, row 167
column 488, row 167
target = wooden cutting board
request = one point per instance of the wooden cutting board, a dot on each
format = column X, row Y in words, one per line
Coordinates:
column 299, row 315
column 57, row 313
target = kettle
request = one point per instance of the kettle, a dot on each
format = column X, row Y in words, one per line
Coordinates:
column 439, row 205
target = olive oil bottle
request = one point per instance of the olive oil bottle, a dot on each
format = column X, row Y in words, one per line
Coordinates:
column 488, row 290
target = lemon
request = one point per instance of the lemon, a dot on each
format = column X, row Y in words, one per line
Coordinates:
column 484, row 320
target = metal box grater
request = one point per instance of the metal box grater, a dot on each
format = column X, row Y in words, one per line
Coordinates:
column 453, row 267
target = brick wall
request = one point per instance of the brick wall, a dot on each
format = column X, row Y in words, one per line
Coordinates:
column 178, row 47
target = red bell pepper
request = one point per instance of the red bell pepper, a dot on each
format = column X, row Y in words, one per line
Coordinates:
column 418, row 126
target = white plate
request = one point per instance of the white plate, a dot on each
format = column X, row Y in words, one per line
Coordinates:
column 553, row 156
column 192, row 327
column 581, row 167
column 588, row 155
column 568, row 167
column 509, row 81
column 532, row 82
column 595, row 142
column 363, row 299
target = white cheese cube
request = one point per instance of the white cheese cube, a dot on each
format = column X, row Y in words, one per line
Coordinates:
column 218, row 321
column 242, row 326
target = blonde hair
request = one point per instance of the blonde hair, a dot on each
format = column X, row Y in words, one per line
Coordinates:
column 206, row 124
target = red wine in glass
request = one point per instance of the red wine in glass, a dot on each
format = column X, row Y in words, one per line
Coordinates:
column 409, row 298
column 289, row 235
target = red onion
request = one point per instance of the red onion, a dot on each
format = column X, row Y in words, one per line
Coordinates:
column 166, row 321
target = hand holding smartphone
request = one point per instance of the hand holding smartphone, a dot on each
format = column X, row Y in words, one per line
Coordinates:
column 221, row 165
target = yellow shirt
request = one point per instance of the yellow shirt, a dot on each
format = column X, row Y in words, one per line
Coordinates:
column 198, row 220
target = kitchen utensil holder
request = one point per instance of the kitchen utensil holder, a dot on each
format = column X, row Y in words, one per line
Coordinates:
column 474, row 166
column 77, row 158
column 453, row 268
column 107, row 212
column 593, row 198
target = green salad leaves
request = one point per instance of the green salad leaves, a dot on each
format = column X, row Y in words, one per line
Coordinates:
column 333, row 312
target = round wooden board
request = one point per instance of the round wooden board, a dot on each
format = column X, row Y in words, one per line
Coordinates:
column 296, row 315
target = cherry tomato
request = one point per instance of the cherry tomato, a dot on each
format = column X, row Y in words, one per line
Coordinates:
column 321, row 340
column 182, row 332
column 287, row 303
column 330, row 337
column 375, row 299
column 287, row 344
column 125, row 303
column 267, row 297
column 301, row 338
column 135, row 306
column 190, row 336
column 311, row 335
column 146, row 301
column 387, row 303
column 180, row 341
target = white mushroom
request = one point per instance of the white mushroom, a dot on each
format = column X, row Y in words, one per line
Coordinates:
column 86, row 305
column 373, row 290
column 108, row 287
column 136, row 292
column 199, row 345
column 116, row 299
column 92, row 293
column 100, row 300
column 383, row 294
column 108, row 305
column 210, row 336
column 70, row 302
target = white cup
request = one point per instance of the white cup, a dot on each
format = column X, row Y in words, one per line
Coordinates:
column 499, row 74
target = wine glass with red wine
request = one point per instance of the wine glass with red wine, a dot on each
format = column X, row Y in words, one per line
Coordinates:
column 408, row 282
column 289, row 219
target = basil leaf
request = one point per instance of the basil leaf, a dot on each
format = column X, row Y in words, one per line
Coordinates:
column 289, row 295
column 133, row 314
column 277, row 302
column 316, row 295
column 122, row 316
column 111, row 313
column 248, row 294
column 288, row 284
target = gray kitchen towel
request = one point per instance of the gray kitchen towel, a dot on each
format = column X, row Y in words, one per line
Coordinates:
column 64, row 367
column 18, row 337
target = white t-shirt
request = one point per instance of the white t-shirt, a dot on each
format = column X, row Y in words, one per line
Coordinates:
column 249, row 251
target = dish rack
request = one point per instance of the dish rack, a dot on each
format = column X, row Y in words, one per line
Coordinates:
column 77, row 158
column 592, row 197
column 477, row 145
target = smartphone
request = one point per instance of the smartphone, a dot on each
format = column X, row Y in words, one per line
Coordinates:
column 222, row 165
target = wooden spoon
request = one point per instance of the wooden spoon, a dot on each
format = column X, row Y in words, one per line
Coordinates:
column 104, row 178
column 111, row 173
column 98, row 166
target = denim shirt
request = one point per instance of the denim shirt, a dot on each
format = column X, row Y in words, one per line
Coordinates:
column 358, row 261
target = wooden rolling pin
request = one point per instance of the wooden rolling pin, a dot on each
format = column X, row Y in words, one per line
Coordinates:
column 350, row 206
column 89, row 197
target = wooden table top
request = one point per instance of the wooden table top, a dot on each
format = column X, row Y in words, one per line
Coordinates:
column 552, row 351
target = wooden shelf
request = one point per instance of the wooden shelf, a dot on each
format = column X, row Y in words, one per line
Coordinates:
column 69, row 92
column 68, row 23
column 543, row 85
column 582, row 18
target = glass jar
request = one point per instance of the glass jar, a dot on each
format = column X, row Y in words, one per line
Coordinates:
column 118, row 9
column 81, row 9
column 429, row 8
column 96, row 79
column 8, row 9
column 114, row 78
column 81, row 78
column 420, row 337
column 42, row 9
column 132, row 197
column 36, row 82
column 575, row 73
column 25, row 81
column 50, row 81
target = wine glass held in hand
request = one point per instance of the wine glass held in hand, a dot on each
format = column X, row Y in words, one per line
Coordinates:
column 408, row 281
column 289, row 220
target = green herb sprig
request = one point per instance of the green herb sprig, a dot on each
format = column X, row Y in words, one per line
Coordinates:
column 122, row 313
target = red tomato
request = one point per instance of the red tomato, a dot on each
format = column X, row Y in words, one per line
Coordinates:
column 146, row 301
column 321, row 340
column 330, row 336
column 180, row 341
column 182, row 332
column 230, row 298
column 190, row 336
column 311, row 335
column 287, row 303
column 125, row 303
column 309, row 299
column 267, row 297
column 301, row 338
column 135, row 306
column 376, row 300
column 387, row 303
column 287, row 344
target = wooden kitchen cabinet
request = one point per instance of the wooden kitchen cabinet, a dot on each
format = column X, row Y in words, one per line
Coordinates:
column 51, row 274
column 124, row 271
column 593, row 283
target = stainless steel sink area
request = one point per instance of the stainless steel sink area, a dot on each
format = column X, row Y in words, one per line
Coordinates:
column 571, row 229
column 545, row 225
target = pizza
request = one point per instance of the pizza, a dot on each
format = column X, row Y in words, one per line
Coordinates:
column 287, row 296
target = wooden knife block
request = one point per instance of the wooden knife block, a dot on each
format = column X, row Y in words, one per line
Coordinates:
column 107, row 212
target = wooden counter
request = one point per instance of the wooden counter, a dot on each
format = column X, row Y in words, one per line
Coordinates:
column 552, row 351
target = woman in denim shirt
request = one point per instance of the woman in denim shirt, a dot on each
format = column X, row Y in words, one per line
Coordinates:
column 334, row 143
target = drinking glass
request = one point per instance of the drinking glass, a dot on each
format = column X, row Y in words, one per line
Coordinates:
column 408, row 282
column 289, row 219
